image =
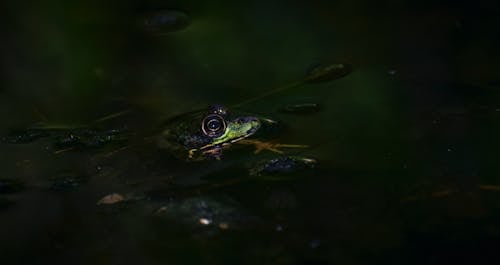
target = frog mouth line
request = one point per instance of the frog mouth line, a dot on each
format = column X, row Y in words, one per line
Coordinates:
column 249, row 133
column 225, row 143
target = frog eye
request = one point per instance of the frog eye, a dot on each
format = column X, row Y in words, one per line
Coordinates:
column 213, row 125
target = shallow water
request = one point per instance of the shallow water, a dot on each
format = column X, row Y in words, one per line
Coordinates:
column 407, row 171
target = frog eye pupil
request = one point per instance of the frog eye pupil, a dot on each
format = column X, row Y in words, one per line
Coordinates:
column 213, row 125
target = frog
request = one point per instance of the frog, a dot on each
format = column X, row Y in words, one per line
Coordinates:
column 204, row 134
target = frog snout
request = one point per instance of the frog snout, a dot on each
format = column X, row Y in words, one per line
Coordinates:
column 254, row 122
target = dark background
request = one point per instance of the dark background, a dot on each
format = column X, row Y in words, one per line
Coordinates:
column 406, row 142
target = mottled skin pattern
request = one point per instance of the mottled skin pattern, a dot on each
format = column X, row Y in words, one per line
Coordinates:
column 184, row 137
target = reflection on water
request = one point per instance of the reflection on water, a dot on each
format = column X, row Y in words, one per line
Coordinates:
column 404, row 170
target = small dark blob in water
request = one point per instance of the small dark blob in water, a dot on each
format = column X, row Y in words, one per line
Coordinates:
column 10, row 186
column 327, row 72
column 281, row 166
column 301, row 108
column 164, row 21
column 25, row 136
column 67, row 182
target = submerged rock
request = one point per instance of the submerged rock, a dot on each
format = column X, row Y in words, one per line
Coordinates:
column 207, row 212
column 279, row 168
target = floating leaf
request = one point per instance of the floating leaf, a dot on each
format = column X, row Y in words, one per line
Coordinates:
column 301, row 108
column 111, row 199
column 326, row 73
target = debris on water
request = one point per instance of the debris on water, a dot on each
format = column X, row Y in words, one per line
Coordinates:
column 65, row 138
column 111, row 199
column 449, row 192
column 162, row 22
column 10, row 186
column 281, row 166
column 89, row 138
column 68, row 181
column 205, row 221
column 270, row 146
column 327, row 72
column 301, row 108
column 431, row 195
column 161, row 210
column 25, row 136
column 489, row 187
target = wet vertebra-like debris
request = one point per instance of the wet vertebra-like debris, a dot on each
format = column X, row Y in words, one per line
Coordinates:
column 10, row 186
column 281, row 166
column 163, row 21
column 327, row 72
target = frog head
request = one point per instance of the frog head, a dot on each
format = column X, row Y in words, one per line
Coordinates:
column 204, row 134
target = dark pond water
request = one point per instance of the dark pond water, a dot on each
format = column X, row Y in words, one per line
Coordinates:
column 407, row 166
